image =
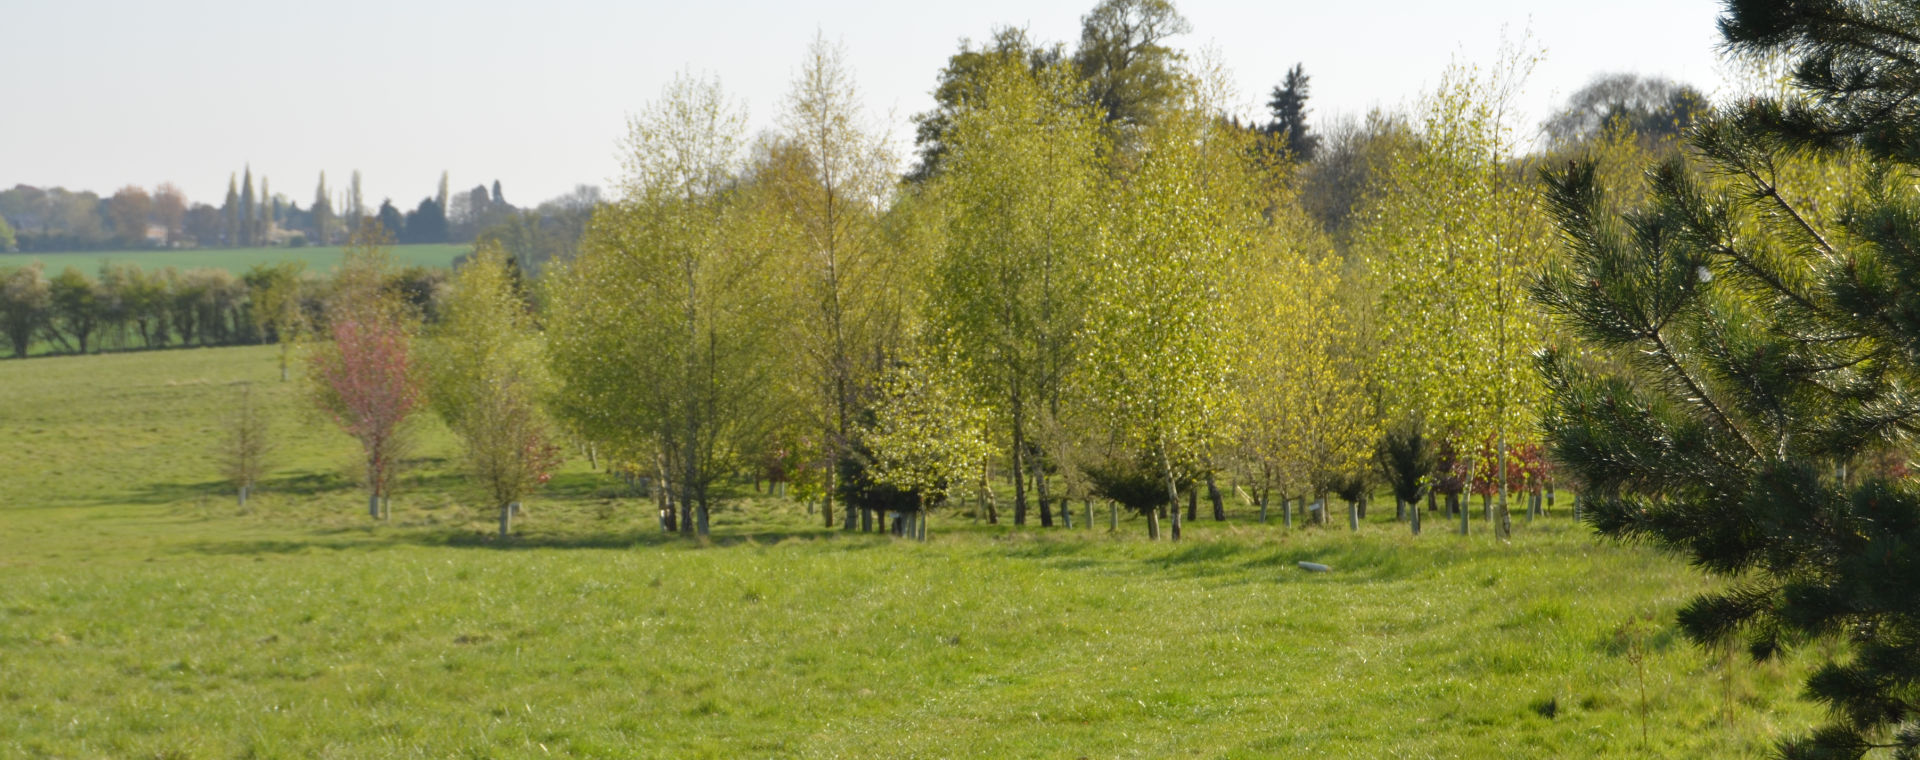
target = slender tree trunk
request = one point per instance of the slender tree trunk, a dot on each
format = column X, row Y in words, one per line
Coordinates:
column 1040, row 492
column 1193, row 502
column 826, row 499
column 1451, row 498
column 701, row 514
column 866, row 520
column 243, row 497
column 1353, row 515
column 1088, row 505
column 1066, row 513
column 1286, row 512
column 1263, row 509
column 1400, row 509
column 1019, row 462
column 686, row 511
column 1153, row 525
column 1416, row 519
column 1219, row 507
column 1113, row 517
column 506, row 519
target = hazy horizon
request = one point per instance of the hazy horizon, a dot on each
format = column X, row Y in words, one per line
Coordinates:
column 537, row 97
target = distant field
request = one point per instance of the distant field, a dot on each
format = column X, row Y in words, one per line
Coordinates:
column 236, row 260
column 142, row 614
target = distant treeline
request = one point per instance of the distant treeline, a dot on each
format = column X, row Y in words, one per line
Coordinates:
column 126, row 307
column 40, row 220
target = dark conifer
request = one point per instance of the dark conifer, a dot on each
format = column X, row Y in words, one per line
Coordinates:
column 1750, row 385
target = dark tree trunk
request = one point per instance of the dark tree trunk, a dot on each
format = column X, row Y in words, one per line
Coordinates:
column 1019, row 464
column 1219, row 507
column 1040, row 493
column 1415, row 511
column 1193, row 502
column 506, row 519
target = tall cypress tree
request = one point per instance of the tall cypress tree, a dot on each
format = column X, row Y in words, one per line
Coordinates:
column 247, row 224
column 1754, row 383
column 230, row 213
column 322, row 212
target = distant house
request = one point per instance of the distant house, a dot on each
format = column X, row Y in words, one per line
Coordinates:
column 157, row 235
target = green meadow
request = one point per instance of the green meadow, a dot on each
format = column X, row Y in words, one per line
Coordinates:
column 235, row 260
column 144, row 614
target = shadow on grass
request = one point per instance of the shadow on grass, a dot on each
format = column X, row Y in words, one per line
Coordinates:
column 364, row 539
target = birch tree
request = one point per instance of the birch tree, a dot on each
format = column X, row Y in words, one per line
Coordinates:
column 831, row 179
column 662, row 332
column 1451, row 238
column 1023, row 180
column 1156, row 336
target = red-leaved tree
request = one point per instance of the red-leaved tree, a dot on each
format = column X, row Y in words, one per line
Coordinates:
column 366, row 382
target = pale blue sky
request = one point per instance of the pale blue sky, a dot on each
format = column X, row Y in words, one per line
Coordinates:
column 100, row 94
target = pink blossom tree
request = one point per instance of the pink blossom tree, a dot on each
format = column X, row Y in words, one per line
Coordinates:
column 366, row 378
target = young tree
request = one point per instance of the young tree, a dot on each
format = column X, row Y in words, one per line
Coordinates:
column 1753, row 329
column 242, row 453
column 1157, row 329
column 365, row 377
column 927, row 439
column 1451, row 238
column 663, row 332
column 277, row 292
column 831, row 179
column 488, row 378
column 1024, row 183
column 1305, row 416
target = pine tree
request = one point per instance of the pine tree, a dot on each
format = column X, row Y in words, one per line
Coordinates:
column 1289, row 107
column 1749, row 392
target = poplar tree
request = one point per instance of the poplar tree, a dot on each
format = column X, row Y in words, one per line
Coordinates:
column 1748, row 398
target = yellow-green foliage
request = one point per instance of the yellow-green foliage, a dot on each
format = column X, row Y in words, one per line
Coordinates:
column 1023, row 182
column 1306, row 413
column 1158, row 337
column 1451, row 237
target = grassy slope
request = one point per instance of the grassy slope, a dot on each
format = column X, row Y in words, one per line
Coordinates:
column 142, row 614
column 236, row 260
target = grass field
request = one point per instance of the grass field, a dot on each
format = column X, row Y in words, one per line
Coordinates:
column 143, row 614
column 236, row 260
